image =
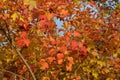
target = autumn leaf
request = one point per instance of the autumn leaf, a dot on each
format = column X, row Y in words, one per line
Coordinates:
column 26, row 2
column 70, row 59
column 6, row 16
column 76, row 34
column 52, row 41
column 26, row 42
column 74, row 45
column 50, row 16
column 32, row 4
column 78, row 78
column 44, row 64
column 69, row 67
column 64, row 13
column 50, row 59
column 66, row 24
column 60, row 61
column 52, row 52
column 14, row 16
column 23, row 35
column 24, row 68
column 60, row 58
column 19, row 43
column 44, row 17
column 43, row 24
column 83, row 49
column 63, row 48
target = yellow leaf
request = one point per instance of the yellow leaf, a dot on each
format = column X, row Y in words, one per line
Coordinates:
column 14, row 16
column 77, row 2
column 4, row 78
column 93, row 61
column 26, row 2
column 115, row 55
column 32, row 4
column 94, row 53
column 8, row 60
column 21, row 18
column 95, row 74
column 101, row 63
column 66, row 24
column 0, row 62
column 97, row 26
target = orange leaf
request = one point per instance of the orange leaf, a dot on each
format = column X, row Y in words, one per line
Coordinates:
column 44, row 64
column 52, row 51
column 77, row 34
column 69, row 67
column 60, row 56
column 51, row 59
column 78, row 78
column 52, row 41
column 50, row 16
column 64, row 13
column 60, row 61
column 70, row 59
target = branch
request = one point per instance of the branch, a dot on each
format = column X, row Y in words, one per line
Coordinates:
column 13, row 73
column 17, row 51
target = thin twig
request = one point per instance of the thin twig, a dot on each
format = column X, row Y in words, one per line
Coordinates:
column 76, row 70
column 13, row 73
column 18, row 52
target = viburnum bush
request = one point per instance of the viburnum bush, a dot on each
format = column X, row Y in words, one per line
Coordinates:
column 33, row 46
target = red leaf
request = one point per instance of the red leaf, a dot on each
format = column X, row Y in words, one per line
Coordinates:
column 26, row 42
column 23, row 35
column 43, row 17
column 83, row 49
column 74, row 45
column 63, row 48
column 43, row 24
column 23, row 42
column 19, row 43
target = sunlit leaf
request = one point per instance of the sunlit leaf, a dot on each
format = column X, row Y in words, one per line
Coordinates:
column 14, row 16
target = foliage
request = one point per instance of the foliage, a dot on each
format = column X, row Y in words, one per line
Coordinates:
column 89, row 48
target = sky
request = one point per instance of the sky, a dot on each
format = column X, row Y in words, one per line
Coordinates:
column 59, row 23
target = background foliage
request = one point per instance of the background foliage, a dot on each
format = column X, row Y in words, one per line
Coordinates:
column 85, row 47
